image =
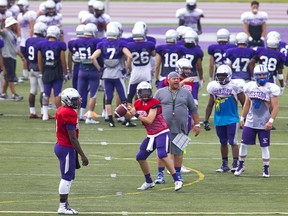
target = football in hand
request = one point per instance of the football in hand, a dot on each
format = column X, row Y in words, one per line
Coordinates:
column 120, row 111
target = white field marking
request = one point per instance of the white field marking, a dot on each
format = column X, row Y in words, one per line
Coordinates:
column 151, row 213
column 120, row 143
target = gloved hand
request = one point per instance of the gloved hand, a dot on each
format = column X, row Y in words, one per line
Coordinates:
column 206, row 126
column 67, row 77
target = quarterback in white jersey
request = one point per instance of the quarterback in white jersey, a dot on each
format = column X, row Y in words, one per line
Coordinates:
column 260, row 109
column 51, row 16
column 190, row 16
column 42, row 8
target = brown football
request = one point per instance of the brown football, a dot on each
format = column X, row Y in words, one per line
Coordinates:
column 120, row 111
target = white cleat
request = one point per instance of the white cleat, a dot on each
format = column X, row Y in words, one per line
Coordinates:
column 185, row 170
column 91, row 121
column 178, row 185
column 64, row 209
column 146, row 186
column 239, row 171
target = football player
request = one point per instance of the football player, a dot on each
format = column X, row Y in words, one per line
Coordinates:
column 13, row 8
column 43, row 9
column 255, row 25
column 67, row 146
column 52, row 16
column 149, row 111
column 166, row 57
column 217, row 51
column 259, row 111
column 273, row 59
column 26, row 19
column 112, row 51
column 238, row 58
column 89, row 76
column 31, row 49
column 190, row 16
column 52, row 66
column 225, row 94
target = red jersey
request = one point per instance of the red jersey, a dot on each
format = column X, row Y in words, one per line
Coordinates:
column 187, row 85
column 142, row 108
column 65, row 116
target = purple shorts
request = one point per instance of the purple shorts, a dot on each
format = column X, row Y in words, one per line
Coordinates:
column 161, row 143
column 249, row 136
column 227, row 134
column 67, row 161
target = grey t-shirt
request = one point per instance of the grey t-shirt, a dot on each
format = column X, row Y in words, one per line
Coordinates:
column 177, row 117
column 10, row 43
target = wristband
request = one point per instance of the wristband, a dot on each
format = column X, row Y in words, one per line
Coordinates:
column 137, row 115
column 271, row 120
column 242, row 118
column 197, row 125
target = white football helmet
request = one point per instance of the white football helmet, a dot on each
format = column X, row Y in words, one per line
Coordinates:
column 112, row 31
column 223, row 35
column 191, row 36
column 3, row 3
column 90, row 29
column 80, row 29
column 171, row 36
column 191, row 2
column 71, row 98
column 223, row 74
column 258, row 72
column 119, row 26
column 241, row 38
column 98, row 5
column 144, row 91
column 232, row 39
column 142, row 25
column 90, row 6
column 50, row 8
column 24, row 4
column 182, row 66
column 40, row 28
column 180, row 31
column 81, row 14
column 53, row 31
column 274, row 34
column 272, row 42
column 138, row 33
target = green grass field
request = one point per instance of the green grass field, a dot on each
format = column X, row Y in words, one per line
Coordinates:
column 29, row 172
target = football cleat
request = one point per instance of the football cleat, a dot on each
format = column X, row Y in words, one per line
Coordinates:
column 33, row 116
column 111, row 124
column 160, row 178
column 65, row 209
column 179, row 176
column 266, row 172
column 178, row 185
column 146, row 186
column 91, row 121
column 234, row 166
column 240, row 169
column 223, row 169
column 185, row 170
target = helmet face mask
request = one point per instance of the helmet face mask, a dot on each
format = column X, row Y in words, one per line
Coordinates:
column 261, row 74
column 144, row 91
column 223, row 74
column 71, row 98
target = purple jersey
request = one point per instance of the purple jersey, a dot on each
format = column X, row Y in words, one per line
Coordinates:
column 272, row 59
column 217, row 51
column 112, row 49
column 148, row 38
column 86, row 47
column 239, row 59
column 283, row 48
column 51, row 54
column 170, row 54
column 31, row 50
column 193, row 54
column 141, row 52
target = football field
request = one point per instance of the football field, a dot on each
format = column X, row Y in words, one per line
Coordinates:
column 29, row 171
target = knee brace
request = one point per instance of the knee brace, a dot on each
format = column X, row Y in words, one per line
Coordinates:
column 45, row 99
column 64, row 186
column 265, row 152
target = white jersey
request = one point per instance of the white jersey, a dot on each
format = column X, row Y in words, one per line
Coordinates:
column 259, row 111
column 190, row 17
column 234, row 87
column 42, row 7
column 14, row 9
column 7, row 14
column 24, row 21
column 254, row 19
column 90, row 18
column 51, row 20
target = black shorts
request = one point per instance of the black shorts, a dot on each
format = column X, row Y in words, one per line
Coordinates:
column 10, row 65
